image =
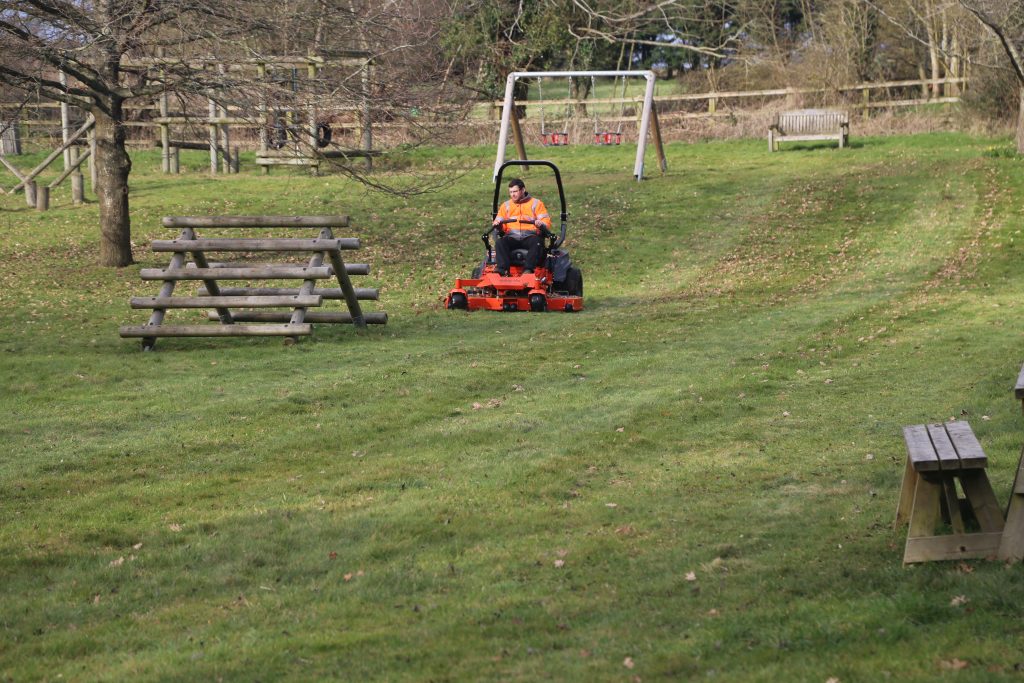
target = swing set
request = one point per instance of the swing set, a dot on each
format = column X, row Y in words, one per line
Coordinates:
column 554, row 135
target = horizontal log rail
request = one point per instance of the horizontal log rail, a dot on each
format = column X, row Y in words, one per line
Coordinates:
column 148, row 331
column 232, row 244
column 224, row 301
column 363, row 293
column 260, row 273
column 255, row 221
column 350, row 268
column 370, row 318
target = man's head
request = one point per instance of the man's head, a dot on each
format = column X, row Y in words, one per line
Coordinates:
column 516, row 189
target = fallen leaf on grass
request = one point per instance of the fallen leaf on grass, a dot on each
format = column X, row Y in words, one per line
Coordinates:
column 832, row 679
column 691, row 576
column 118, row 562
column 620, row 429
column 964, row 568
column 477, row 406
column 953, row 664
column 628, row 663
column 559, row 564
column 174, row 527
column 611, row 505
column 136, row 546
column 958, row 600
column 713, row 612
column 626, row 530
column 332, row 555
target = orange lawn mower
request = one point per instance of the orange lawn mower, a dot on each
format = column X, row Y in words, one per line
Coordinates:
column 555, row 285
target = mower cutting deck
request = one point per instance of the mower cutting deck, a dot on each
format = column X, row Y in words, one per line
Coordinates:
column 555, row 285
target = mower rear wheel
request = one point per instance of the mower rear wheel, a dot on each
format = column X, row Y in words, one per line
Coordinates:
column 458, row 301
column 574, row 282
column 538, row 303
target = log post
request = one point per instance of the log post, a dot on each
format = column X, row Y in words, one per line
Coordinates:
column 224, row 129
column 77, row 188
column 30, row 192
column 212, row 130
column 174, row 160
column 65, row 123
column 261, row 70
column 367, row 118
column 42, row 197
column 165, row 128
column 93, row 166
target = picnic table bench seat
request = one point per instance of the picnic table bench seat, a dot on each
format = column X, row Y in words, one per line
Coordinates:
column 938, row 456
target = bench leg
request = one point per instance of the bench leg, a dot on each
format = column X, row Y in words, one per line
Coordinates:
column 906, row 503
column 952, row 506
column 982, row 500
column 1012, row 546
column 926, row 512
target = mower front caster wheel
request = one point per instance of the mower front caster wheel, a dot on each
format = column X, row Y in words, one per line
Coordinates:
column 458, row 301
column 538, row 303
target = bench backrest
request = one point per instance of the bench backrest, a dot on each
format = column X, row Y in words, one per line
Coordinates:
column 810, row 121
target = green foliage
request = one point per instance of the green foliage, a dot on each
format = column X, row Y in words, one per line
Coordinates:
column 693, row 478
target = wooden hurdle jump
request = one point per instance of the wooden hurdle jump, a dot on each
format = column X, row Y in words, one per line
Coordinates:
column 325, row 248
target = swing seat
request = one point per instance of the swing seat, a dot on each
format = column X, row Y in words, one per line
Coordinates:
column 554, row 139
column 608, row 138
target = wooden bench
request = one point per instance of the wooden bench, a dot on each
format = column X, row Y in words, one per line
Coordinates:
column 938, row 456
column 1012, row 546
column 809, row 124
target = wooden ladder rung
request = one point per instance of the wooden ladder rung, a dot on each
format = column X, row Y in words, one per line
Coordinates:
column 258, row 273
column 371, row 318
column 225, row 301
column 304, row 329
column 245, row 244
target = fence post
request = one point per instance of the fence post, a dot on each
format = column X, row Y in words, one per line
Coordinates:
column 175, row 160
column 30, row 193
column 866, row 99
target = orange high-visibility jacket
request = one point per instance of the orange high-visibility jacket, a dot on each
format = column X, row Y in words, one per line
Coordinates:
column 531, row 208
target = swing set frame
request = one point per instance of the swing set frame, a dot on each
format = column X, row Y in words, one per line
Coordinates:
column 648, row 116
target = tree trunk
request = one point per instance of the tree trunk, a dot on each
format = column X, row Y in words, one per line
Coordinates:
column 113, row 165
column 1020, row 123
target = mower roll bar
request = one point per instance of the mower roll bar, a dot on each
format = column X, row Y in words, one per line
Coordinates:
column 555, row 241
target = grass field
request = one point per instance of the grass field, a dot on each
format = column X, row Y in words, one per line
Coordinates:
column 692, row 479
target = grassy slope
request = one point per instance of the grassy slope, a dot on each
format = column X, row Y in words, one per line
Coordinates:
column 757, row 326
